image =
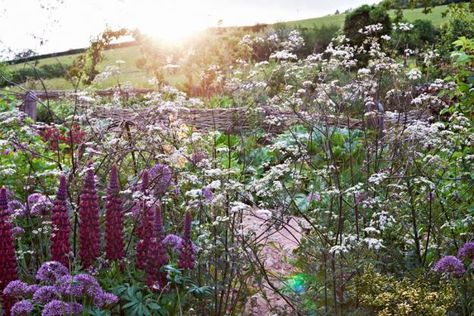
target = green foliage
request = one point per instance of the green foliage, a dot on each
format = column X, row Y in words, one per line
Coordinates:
column 384, row 295
column 459, row 22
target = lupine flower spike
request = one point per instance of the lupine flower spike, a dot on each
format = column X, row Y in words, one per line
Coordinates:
column 89, row 229
column 186, row 251
column 145, row 229
column 7, row 252
column 60, row 246
column 157, row 255
column 114, row 244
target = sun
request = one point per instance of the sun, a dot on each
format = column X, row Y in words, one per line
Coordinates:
column 172, row 24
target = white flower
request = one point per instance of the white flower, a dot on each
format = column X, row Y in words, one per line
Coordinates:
column 414, row 74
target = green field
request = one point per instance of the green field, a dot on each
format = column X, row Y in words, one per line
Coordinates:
column 409, row 14
column 130, row 73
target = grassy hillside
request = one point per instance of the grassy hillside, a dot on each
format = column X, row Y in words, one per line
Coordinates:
column 132, row 74
column 410, row 14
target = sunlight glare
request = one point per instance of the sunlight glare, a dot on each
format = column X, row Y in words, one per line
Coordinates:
column 172, row 24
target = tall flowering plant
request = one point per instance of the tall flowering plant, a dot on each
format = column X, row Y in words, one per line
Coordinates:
column 60, row 246
column 8, row 270
column 114, row 244
column 89, row 229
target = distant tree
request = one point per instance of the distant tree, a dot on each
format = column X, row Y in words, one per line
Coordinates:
column 337, row 12
column 363, row 16
column 25, row 54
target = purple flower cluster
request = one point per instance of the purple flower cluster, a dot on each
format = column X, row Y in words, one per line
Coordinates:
column 60, row 246
column 157, row 255
column 454, row 266
column 467, row 252
column 22, row 308
column 450, row 265
column 57, row 289
column 160, row 178
column 89, row 229
column 186, row 250
column 38, row 205
column 114, row 244
column 7, row 251
column 58, row 308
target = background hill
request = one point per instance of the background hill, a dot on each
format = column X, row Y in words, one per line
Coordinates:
column 129, row 72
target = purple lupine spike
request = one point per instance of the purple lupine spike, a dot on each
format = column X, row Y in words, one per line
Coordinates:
column 8, row 270
column 89, row 229
column 60, row 246
column 146, row 235
column 186, row 251
column 157, row 256
column 145, row 181
column 114, row 243
column 160, row 231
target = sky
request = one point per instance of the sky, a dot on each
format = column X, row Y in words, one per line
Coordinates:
column 55, row 25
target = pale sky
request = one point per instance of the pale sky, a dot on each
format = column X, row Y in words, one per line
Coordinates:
column 69, row 24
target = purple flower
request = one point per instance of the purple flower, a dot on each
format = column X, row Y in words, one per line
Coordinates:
column 39, row 204
column 172, row 240
column 32, row 289
column 103, row 298
column 46, row 294
column 17, row 208
column 114, row 244
column 313, row 196
column 450, row 265
column 17, row 231
column 59, row 308
column 207, row 193
column 186, row 251
column 51, row 271
column 60, row 246
column 160, row 176
column 22, row 308
column 467, row 251
column 16, row 288
column 89, row 230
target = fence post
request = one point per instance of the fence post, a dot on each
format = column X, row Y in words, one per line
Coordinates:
column 29, row 105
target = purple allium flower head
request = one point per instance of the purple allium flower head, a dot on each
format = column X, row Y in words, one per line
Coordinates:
column 467, row 251
column 60, row 246
column 114, row 244
column 89, row 228
column 46, row 294
column 160, row 176
column 103, row 298
column 450, row 265
column 22, row 308
column 17, row 231
column 313, row 196
column 32, row 289
column 186, row 251
column 172, row 240
column 207, row 193
column 39, row 204
column 8, row 270
column 17, row 208
column 16, row 289
column 59, row 308
column 51, row 271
